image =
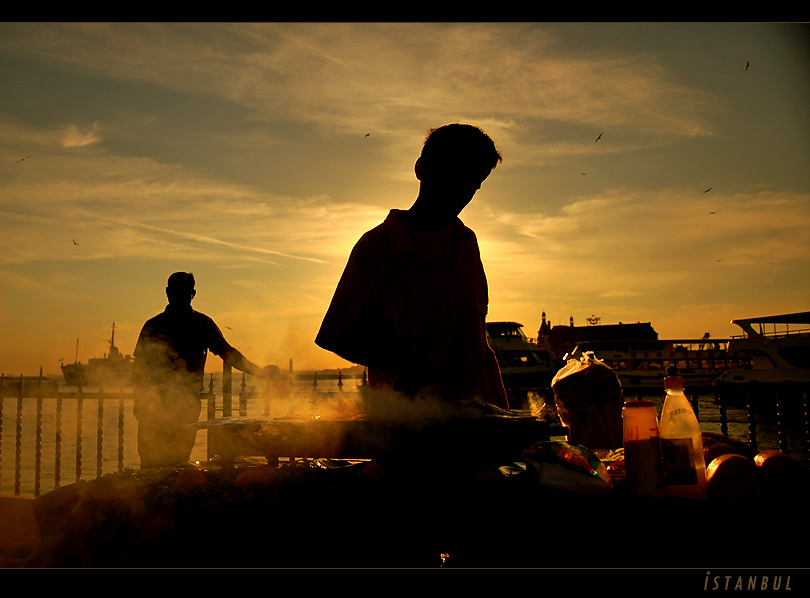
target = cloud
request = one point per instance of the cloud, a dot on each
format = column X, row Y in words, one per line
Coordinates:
column 350, row 77
column 629, row 248
column 75, row 137
column 122, row 207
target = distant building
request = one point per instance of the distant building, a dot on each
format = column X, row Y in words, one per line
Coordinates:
column 561, row 340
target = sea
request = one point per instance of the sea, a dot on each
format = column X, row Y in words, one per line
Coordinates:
column 90, row 450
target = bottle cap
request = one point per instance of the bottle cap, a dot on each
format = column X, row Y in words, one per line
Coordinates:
column 628, row 404
column 673, row 382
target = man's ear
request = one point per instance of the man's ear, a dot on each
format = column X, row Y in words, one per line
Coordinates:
column 417, row 168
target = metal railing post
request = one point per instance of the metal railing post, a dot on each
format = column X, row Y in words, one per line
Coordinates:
column 227, row 372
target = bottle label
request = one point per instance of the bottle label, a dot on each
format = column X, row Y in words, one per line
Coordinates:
column 679, row 467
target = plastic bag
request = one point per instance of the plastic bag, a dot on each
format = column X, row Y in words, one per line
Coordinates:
column 568, row 467
column 589, row 401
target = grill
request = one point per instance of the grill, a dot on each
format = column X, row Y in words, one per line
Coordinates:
column 478, row 437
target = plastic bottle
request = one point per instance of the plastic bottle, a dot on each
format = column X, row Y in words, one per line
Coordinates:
column 684, row 467
column 642, row 450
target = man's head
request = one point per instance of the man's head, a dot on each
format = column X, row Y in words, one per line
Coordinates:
column 180, row 288
column 458, row 148
column 455, row 160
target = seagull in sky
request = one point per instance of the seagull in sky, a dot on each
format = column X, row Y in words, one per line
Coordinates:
column 75, row 243
column 707, row 190
column 367, row 134
column 747, row 65
column 712, row 212
column 600, row 137
column 23, row 159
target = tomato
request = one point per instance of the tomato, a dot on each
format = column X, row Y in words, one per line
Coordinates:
column 259, row 474
column 190, row 478
column 781, row 474
column 733, row 478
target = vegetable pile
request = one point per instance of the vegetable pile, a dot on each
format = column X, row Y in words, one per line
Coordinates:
column 737, row 474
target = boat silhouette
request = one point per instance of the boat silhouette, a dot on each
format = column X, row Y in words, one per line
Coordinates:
column 112, row 370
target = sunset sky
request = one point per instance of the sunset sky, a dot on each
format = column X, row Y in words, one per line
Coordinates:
column 255, row 154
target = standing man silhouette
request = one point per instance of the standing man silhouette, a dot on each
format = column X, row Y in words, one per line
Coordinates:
column 169, row 372
column 412, row 301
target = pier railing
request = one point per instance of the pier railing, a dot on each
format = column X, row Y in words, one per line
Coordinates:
column 53, row 405
column 67, row 412
column 74, row 446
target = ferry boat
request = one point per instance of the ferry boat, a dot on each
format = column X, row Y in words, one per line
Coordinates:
column 779, row 350
column 640, row 359
column 113, row 369
column 643, row 364
column 524, row 365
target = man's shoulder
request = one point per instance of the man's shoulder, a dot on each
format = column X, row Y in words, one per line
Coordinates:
column 464, row 232
column 155, row 321
column 381, row 230
column 373, row 238
column 202, row 319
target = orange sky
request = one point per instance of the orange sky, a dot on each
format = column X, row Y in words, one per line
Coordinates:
column 254, row 155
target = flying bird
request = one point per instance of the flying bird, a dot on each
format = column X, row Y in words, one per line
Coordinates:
column 712, row 212
column 75, row 243
column 367, row 134
column 747, row 65
column 707, row 190
column 600, row 137
column 23, row 159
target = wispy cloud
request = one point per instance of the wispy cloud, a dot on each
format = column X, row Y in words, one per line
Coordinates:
column 75, row 137
column 387, row 76
column 204, row 239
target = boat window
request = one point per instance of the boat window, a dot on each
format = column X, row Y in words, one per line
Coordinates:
column 798, row 357
column 518, row 358
column 760, row 355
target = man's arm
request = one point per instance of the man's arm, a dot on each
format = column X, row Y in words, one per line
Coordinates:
column 234, row 358
column 351, row 327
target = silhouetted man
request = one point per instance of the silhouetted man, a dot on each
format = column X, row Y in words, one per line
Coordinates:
column 170, row 367
column 412, row 302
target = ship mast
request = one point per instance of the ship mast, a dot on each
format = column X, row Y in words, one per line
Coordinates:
column 114, row 353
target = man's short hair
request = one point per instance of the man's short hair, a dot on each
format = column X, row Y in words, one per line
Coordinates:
column 460, row 145
column 181, row 281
